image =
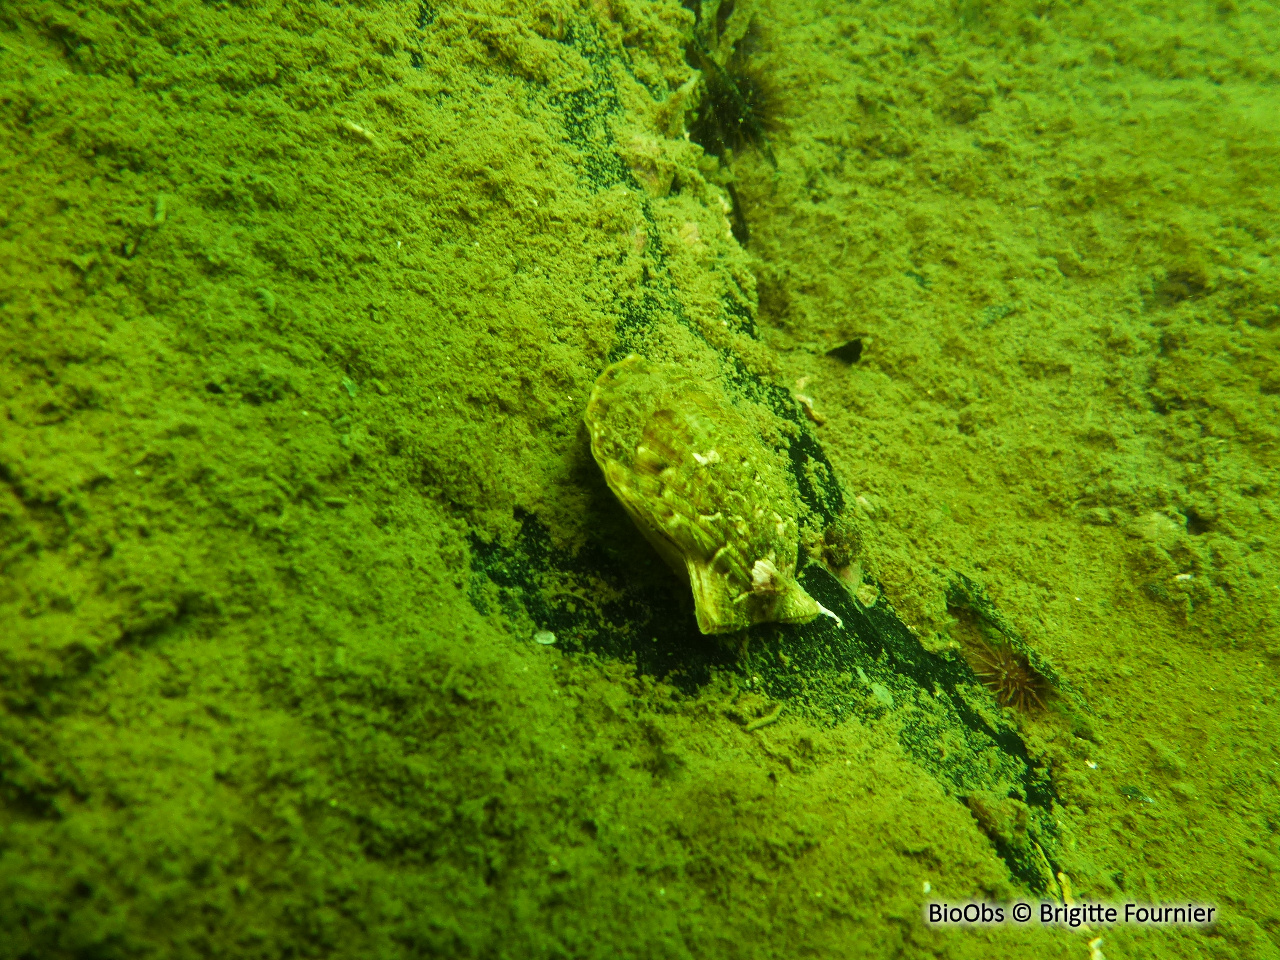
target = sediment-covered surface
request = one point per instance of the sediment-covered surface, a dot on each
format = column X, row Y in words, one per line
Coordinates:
column 300, row 307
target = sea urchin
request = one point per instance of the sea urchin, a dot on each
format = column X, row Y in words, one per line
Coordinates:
column 1009, row 676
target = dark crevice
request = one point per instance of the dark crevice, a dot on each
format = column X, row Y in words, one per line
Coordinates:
column 613, row 598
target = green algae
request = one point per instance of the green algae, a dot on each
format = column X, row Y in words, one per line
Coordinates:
column 301, row 306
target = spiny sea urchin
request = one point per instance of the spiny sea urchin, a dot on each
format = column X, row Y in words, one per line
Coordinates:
column 739, row 103
column 1009, row 676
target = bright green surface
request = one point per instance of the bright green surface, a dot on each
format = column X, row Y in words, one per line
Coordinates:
column 286, row 321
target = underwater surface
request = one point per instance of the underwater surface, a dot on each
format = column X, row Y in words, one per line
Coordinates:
column 324, row 634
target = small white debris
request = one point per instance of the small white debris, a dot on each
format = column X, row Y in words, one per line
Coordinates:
column 1095, row 949
column 867, row 595
column 1091, row 765
column 806, row 402
column 356, row 130
column 544, row 637
column 1184, row 577
column 927, row 887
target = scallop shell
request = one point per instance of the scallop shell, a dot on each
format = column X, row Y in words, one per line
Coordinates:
column 704, row 490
